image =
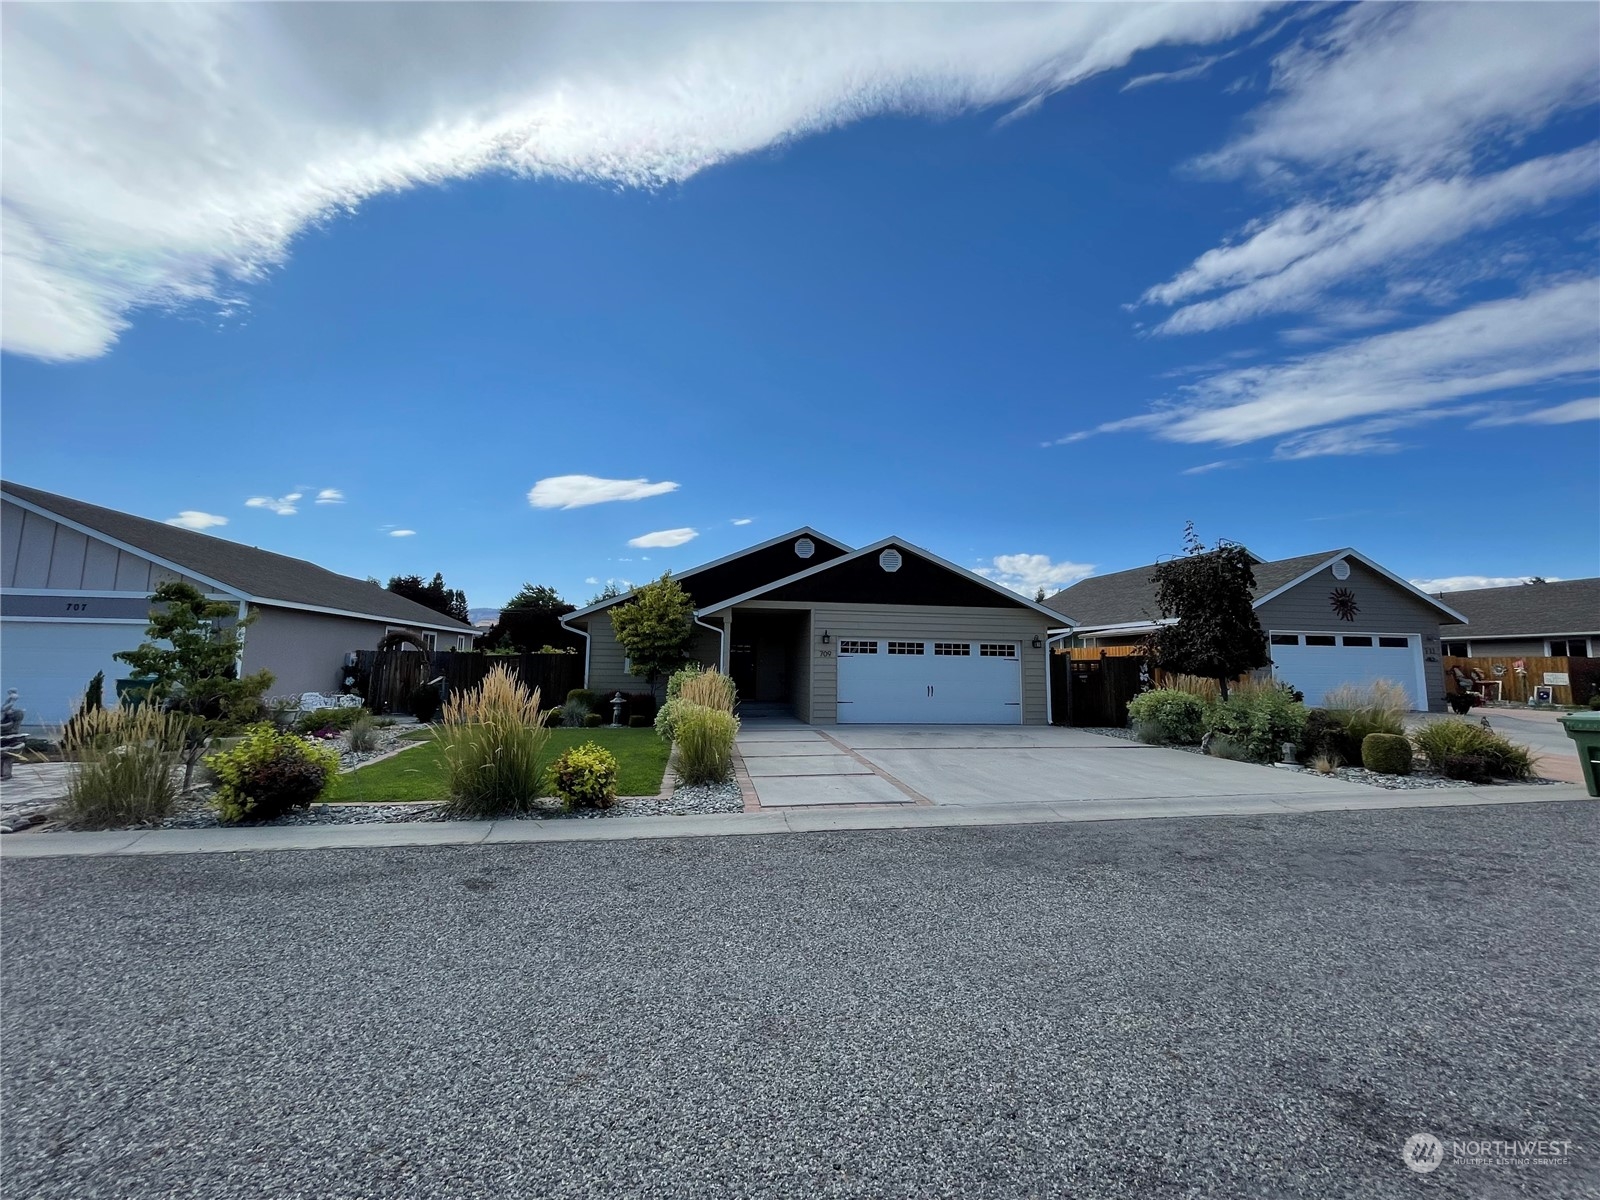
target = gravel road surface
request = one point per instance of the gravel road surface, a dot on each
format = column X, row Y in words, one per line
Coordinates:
column 1220, row 1007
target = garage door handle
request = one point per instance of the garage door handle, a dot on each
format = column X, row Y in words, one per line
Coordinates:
column 930, row 691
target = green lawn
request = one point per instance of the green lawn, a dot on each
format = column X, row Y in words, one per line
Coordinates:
column 419, row 775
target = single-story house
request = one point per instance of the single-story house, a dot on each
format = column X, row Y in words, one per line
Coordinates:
column 75, row 584
column 1331, row 618
column 1541, row 620
column 889, row 634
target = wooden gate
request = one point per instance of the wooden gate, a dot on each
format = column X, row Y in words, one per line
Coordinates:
column 1099, row 688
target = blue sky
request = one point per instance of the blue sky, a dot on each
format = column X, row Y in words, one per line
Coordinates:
column 1030, row 286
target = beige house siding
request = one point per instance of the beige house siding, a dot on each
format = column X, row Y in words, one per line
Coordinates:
column 38, row 553
column 607, row 664
column 1384, row 608
column 305, row 651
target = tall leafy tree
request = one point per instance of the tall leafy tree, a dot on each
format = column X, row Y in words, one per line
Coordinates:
column 531, row 621
column 191, row 654
column 452, row 602
column 610, row 591
column 655, row 628
column 1210, row 592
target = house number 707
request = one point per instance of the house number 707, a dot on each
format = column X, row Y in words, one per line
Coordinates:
column 78, row 606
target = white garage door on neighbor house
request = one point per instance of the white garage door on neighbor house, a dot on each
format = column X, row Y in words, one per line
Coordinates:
column 1316, row 663
column 50, row 663
column 888, row 682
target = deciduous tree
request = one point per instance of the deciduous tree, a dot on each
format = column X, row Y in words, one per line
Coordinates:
column 1210, row 592
column 452, row 602
column 655, row 628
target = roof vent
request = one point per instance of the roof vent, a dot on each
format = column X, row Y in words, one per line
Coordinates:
column 889, row 560
column 805, row 548
column 1341, row 569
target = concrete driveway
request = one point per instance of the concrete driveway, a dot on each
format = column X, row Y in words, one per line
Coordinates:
column 802, row 765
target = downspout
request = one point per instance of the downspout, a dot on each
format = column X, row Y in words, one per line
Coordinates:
column 722, row 643
column 244, row 614
column 1050, row 636
column 584, row 634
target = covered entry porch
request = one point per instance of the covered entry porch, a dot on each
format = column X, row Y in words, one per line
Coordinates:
column 769, row 661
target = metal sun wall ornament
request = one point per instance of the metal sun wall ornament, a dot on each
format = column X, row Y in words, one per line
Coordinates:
column 1343, row 603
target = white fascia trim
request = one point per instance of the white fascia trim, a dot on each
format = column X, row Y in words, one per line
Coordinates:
column 74, row 620
column 803, row 531
column 1367, row 562
column 87, row 531
column 879, row 545
column 1125, row 627
column 398, row 622
column 97, row 595
column 1466, row 636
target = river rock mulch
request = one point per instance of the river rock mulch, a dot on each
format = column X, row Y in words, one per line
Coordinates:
column 1417, row 780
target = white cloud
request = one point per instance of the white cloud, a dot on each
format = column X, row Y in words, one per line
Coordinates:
column 578, row 491
column 592, row 580
column 284, row 506
column 1222, row 464
column 172, row 153
column 1468, row 583
column 662, row 539
column 402, row 533
column 190, row 519
column 1542, row 337
column 1291, row 261
column 1027, row 573
column 742, row 520
column 330, row 496
column 1587, row 409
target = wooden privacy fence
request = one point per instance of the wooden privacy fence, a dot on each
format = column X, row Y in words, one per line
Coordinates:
column 386, row 678
column 1518, row 685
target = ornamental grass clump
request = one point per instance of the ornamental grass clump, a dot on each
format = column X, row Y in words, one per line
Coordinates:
column 492, row 739
column 1440, row 742
column 1377, row 707
column 124, row 763
column 270, row 773
column 709, row 689
column 705, row 743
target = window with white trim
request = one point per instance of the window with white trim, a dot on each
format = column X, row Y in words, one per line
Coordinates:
column 849, row 646
column 906, row 647
column 1394, row 643
column 1354, row 639
column 1569, row 648
column 997, row 650
column 1321, row 639
column 952, row 649
column 1456, row 650
column 1286, row 639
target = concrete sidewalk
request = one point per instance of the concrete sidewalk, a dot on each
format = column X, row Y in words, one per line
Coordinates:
column 466, row 833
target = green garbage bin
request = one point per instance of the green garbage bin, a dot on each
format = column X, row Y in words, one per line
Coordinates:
column 1584, row 728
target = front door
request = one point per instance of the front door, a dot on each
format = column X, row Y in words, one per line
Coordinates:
column 742, row 668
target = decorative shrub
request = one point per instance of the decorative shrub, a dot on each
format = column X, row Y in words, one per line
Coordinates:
column 1378, row 707
column 709, row 689
column 363, row 733
column 1324, row 736
column 575, row 712
column 337, row 719
column 94, row 700
column 1471, row 768
column 588, row 700
column 424, row 702
column 553, row 717
column 1258, row 721
column 678, row 678
column 1386, row 753
column 586, row 777
column 493, row 738
column 268, row 773
column 593, row 721
column 1168, row 716
column 123, row 760
column 1438, row 741
column 666, row 721
column 705, row 743
column 640, row 704
column 638, row 721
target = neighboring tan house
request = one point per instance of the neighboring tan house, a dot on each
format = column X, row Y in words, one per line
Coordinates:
column 75, row 584
column 1331, row 618
column 1541, row 620
column 888, row 634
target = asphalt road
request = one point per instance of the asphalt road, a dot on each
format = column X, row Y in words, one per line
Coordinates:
column 1229, row 1007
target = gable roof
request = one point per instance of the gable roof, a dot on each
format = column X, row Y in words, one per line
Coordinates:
column 1129, row 597
column 1528, row 609
column 713, row 583
column 844, row 562
column 246, row 571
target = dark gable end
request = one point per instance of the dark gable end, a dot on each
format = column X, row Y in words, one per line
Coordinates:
column 919, row 581
column 712, row 585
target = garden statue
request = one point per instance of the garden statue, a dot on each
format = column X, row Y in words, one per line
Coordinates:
column 617, row 702
column 12, row 742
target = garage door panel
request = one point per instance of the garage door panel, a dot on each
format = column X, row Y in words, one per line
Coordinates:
column 950, row 682
column 1316, row 663
column 51, row 662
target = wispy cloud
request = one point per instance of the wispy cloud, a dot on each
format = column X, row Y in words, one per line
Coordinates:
column 1222, row 464
column 1587, row 409
column 126, row 185
column 402, row 533
column 579, row 491
column 1468, row 583
column 742, row 520
column 191, row 519
column 284, row 506
column 592, row 580
column 330, row 496
column 663, row 539
column 1027, row 573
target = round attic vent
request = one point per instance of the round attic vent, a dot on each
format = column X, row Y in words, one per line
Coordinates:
column 805, row 547
column 889, row 560
column 1341, row 569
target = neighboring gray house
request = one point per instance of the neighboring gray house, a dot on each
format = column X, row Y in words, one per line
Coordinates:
column 75, row 581
column 1554, row 620
column 1331, row 618
column 888, row 634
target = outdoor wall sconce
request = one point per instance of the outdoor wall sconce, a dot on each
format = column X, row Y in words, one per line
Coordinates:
column 1036, row 642
column 825, row 638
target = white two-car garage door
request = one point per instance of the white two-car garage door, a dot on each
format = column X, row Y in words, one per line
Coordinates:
column 1316, row 663
column 885, row 682
column 50, row 663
